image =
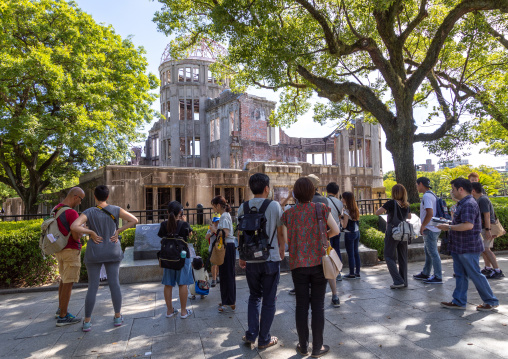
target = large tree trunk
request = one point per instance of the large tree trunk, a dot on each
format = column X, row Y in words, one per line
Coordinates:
column 30, row 201
column 403, row 159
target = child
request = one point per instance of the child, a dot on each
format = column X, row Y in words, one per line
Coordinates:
column 211, row 235
column 200, row 279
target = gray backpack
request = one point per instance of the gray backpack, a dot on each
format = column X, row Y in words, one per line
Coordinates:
column 52, row 240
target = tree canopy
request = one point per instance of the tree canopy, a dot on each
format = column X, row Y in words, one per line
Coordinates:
column 376, row 60
column 72, row 95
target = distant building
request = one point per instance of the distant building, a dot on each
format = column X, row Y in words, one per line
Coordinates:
column 453, row 164
column 502, row 168
column 427, row 166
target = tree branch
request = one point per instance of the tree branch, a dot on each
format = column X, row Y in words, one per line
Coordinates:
column 450, row 120
column 466, row 6
column 422, row 14
column 362, row 96
column 318, row 16
column 48, row 162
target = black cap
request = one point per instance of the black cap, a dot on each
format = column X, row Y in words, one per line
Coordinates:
column 425, row 181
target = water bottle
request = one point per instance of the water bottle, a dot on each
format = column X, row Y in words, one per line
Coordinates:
column 183, row 254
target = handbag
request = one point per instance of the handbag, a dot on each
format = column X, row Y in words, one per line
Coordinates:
column 497, row 229
column 330, row 261
column 218, row 250
column 403, row 231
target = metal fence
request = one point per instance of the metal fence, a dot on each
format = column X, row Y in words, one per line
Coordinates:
column 196, row 215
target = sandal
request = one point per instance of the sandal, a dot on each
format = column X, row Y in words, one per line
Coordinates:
column 175, row 311
column 247, row 341
column 273, row 341
column 189, row 313
column 226, row 308
column 301, row 351
column 321, row 352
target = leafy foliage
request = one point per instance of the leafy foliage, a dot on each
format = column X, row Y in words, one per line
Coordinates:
column 370, row 236
column 72, row 95
column 373, row 60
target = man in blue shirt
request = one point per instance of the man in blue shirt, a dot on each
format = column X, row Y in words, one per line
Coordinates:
column 466, row 245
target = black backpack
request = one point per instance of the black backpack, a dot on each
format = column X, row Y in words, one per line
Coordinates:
column 171, row 248
column 253, row 243
column 441, row 208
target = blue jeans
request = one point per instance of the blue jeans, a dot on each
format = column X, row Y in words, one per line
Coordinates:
column 432, row 258
column 335, row 243
column 262, row 279
column 352, row 241
column 467, row 266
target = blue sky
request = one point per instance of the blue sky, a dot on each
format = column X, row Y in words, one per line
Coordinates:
column 134, row 17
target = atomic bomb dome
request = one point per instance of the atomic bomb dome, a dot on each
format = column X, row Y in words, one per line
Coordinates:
column 205, row 50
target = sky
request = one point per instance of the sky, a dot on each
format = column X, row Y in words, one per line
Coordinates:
column 134, row 18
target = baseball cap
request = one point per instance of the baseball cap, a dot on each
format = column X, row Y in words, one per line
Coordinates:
column 425, row 181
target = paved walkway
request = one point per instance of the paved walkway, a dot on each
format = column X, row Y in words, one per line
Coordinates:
column 373, row 322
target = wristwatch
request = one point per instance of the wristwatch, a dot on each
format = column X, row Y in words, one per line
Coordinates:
column 449, row 227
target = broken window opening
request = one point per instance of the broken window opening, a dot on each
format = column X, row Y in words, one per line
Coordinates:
column 180, row 74
column 196, row 74
column 188, row 76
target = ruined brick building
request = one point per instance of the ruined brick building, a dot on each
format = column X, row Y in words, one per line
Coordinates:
column 210, row 140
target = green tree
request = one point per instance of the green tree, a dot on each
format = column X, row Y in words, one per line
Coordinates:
column 376, row 60
column 72, row 95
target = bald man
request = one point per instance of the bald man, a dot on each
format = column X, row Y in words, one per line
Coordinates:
column 69, row 258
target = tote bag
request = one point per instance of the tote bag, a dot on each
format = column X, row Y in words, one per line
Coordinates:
column 331, row 262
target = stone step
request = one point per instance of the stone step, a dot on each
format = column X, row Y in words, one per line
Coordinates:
column 148, row 270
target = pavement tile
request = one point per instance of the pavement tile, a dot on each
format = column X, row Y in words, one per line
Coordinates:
column 227, row 343
column 150, row 327
column 36, row 347
column 177, row 346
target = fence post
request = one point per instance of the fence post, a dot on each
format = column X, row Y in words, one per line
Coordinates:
column 200, row 215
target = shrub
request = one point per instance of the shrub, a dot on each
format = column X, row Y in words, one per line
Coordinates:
column 370, row 236
column 199, row 241
column 21, row 262
column 127, row 238
column 501, row 211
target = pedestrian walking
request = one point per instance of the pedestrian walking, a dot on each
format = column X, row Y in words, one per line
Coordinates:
column 103, row 248
column 466, row 245
column 396, row 251
column 305, row 261
column 488, row 217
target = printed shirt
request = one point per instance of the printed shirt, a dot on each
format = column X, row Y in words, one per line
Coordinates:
column 305, row 246
column 467, row 241
column 71, row 215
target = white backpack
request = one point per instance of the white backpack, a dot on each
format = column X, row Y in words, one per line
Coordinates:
column 52, row 240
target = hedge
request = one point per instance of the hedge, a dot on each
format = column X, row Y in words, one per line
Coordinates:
column 370, row 236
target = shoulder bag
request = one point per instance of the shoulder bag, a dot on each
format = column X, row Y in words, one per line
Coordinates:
column 218, row 249
column 403, row 231
column 331, row 262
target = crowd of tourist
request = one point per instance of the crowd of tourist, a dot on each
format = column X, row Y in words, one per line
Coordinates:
column 295, row 228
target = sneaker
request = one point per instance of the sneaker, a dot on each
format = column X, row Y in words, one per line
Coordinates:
column 451, row 305
column 339, row 277
column 487, row 308
column 292, row 292
column 335, row 301
column 357, row 276
column 118, row 321
column 350, row 276
column 57, row 314
column 487, row 271
column 496, row 275
column 189, row 313
column 420, row 276
column 214, row 283
column 87, row 326
column 433, row 280
column 218, row 280
column 67, row 320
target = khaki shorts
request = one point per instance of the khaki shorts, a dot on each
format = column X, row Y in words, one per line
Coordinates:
column 486, row 242
column 69, row 264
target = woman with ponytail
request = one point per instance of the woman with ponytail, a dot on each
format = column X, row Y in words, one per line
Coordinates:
column 175, row 225
column 227, row 269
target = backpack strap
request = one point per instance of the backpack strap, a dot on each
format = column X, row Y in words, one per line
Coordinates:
column 246, row 207
column 178, row 228
column 109, row 214
column 60, row 214
column 264, row 206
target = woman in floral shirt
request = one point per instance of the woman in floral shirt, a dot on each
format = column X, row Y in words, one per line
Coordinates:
column 305, row 254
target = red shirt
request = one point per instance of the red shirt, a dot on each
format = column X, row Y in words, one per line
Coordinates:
column 71, row 215
column 304, row 241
